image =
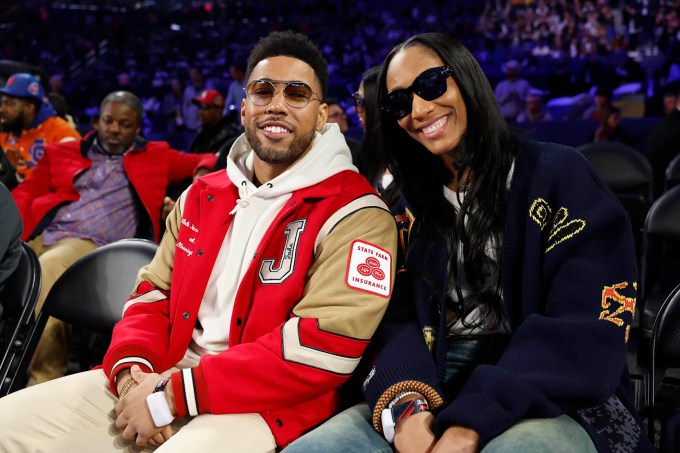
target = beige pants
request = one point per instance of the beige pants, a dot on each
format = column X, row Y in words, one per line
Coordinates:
column 50, row 359
column 75, row 414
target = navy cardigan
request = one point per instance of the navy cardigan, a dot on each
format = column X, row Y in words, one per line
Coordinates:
column 568, row 275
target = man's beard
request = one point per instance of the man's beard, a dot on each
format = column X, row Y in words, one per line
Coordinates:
column 15, row 126
column 276, row 157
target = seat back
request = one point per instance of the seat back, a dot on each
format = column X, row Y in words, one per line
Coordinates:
column 90, row 295
column 661, row 242
column 19, row 298
column 664, row 349
column 660, row 261
column 673, row 173
column 23, row 286
column 628, row 174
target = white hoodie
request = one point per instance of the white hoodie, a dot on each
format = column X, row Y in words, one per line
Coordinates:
column 253, row 214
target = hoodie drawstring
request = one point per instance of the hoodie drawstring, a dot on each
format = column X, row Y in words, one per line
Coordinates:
column 240, row 203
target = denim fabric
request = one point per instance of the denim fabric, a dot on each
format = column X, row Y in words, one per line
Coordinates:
column 352, row 431
column 551, row 435
column 349, row 431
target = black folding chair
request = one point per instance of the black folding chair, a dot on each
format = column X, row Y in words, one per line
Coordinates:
column 628, row 174
column 90, row 296
column 664, row 392
column 673, row 173
column 660, row 263
column 19, row 298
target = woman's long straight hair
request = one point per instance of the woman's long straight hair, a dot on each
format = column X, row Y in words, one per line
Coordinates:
column 486, row 152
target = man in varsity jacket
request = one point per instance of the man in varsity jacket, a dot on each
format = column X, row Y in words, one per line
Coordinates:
column 269, row 282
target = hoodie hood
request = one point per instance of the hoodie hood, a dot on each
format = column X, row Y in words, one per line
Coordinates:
column 46, row 111
column 329, row 155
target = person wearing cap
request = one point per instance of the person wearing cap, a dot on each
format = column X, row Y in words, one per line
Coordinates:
column 512, row 92
column 216, row 129
column 29, row 123
column 88, row 193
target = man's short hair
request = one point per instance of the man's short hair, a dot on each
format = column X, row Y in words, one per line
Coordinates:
column 294, row 45
column 604, row 91
column 127, row 98
column 333, row 101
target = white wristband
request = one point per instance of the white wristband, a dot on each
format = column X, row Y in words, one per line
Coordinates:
column 160, row 411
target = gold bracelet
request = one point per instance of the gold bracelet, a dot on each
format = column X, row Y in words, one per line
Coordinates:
column 126, row 388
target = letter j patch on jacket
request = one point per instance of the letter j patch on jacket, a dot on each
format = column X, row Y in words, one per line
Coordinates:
column 369, row 269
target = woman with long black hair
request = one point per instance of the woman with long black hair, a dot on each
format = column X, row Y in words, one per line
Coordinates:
column 508, row 323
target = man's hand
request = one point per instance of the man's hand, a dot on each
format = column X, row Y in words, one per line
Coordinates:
column 168, row 204
column 415, row 434
column 200, row 172
column 133, row 416
column 458, row 440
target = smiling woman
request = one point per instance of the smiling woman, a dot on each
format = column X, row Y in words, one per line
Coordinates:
column 496, row 323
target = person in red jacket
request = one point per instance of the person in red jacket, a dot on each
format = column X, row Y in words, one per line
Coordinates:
column 113, row 171
column 269, row 282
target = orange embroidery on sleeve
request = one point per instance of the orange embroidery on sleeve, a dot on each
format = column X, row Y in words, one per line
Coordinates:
column 626, row 304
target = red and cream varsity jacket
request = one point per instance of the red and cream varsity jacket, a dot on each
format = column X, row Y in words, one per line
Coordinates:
column 305, row 310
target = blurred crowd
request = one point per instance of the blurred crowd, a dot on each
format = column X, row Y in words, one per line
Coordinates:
column 161, row 49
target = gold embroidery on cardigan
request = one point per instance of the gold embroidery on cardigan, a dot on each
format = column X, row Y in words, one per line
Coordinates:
column 561, row 229
column 626, row 304
column 540, row 212
column 428, row 333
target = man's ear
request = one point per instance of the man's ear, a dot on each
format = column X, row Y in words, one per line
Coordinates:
column 243, row 111
column 322, row 116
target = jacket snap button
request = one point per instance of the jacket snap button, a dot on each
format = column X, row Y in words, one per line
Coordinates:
column 200, row 252
column 279, row 423
column 210, row 198
column 185, row 315
column 239, row 321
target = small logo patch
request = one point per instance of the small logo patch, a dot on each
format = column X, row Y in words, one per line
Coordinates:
column 33, row 88
column 369, row 269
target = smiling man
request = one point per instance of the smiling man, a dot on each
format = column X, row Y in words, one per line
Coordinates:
column 112, row 171
column 269, row 282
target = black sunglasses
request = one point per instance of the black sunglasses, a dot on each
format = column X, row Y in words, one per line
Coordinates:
column 429, row 85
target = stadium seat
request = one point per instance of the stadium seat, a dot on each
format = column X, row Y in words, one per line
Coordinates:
column 18, row 299
column 660, row 264
column 629, row 176
column 664, row 391
column 90, row 296
column 673, row 173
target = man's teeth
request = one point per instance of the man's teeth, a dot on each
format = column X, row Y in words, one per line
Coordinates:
column 276, row 129
column 434, row 126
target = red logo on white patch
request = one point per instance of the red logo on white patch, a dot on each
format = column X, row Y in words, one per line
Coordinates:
column 369, row 269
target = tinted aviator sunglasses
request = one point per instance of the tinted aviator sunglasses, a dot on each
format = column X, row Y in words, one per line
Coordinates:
column 297, row 94
column 429, row 85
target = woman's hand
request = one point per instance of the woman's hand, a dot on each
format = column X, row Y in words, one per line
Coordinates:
column 415, row 434
column 458, row 440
